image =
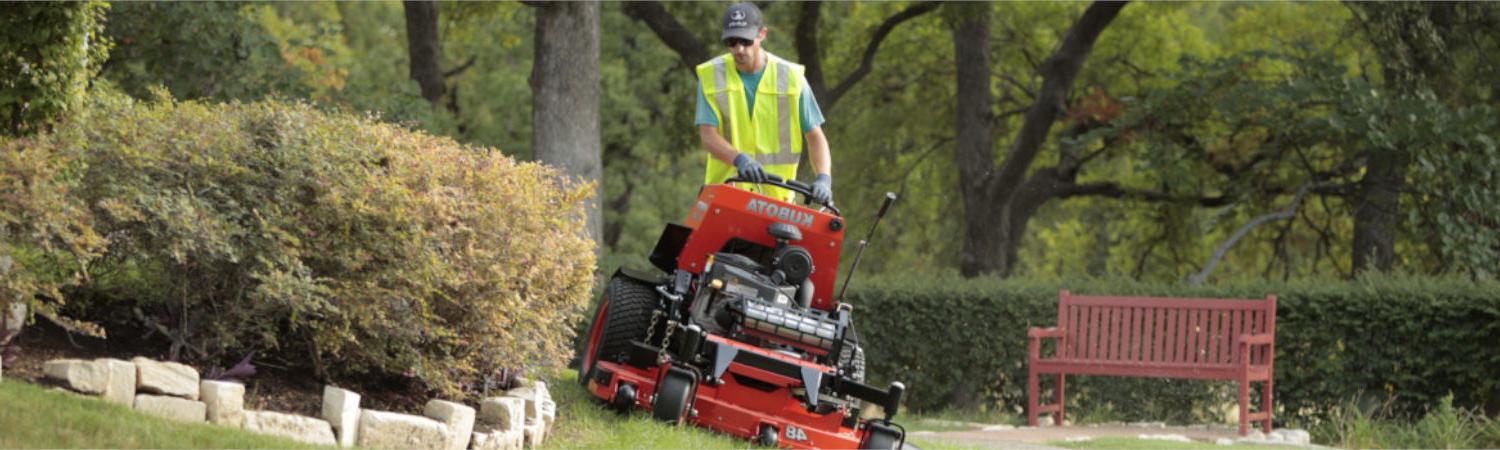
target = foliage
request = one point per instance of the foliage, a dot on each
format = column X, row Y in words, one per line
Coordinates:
column 1416, row 338
column 53, row 419
column 320, row 239
column 48, row 53
column 1354, row 425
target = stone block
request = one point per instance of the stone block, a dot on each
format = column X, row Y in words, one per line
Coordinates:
column 166, row 378
column 341, row 409
column 388, row 430
column 1296, row 437
column 121, row 385
column 529, row 395
column 457, row 417
column 15, row 316
column 547, row 409
column 225, row 400
column 534, row 433
column 299, row 428
column 503, row 413
column 498, row 440
column 171, row 407
column 78, row 375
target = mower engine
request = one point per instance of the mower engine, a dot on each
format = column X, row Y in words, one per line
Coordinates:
column 737, row 298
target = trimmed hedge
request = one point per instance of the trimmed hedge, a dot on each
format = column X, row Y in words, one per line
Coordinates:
column 358, row 250
column 963, row 342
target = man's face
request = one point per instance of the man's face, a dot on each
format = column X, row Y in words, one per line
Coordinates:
column 746, row 52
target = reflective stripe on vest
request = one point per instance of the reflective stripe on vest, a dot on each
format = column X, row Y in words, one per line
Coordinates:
column 721, row 81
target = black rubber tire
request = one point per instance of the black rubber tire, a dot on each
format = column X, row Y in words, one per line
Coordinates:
column 630, row 305
column 673, row 398
column 881, row 440
column 767, row 436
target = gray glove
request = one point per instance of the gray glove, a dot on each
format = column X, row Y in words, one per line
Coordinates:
column 823, row 188
column 749, row 168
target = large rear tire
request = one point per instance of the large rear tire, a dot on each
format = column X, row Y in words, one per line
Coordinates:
column 622, row 316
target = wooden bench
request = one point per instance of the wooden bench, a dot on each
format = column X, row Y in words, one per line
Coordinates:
column 1212, row 339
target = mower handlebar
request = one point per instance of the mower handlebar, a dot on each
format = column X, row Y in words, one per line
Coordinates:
column 792, row 185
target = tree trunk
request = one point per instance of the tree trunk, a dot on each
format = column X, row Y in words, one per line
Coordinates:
column 1410, row 41
column 998, row 202
column 983, row 247
column 425, row 48
column 565, row 95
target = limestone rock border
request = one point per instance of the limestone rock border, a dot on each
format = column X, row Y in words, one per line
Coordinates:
column 519, row 418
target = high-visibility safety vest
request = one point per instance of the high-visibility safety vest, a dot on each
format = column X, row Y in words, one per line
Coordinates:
column 772, row 135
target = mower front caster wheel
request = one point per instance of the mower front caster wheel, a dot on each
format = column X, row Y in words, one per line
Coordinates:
column 673, row 397
column 767, row 436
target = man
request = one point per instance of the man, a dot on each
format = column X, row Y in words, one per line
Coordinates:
column 746, row 117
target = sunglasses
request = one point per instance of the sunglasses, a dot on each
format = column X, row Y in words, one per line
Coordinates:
column 738, row 42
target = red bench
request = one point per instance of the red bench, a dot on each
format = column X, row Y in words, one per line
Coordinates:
column 1212, row 339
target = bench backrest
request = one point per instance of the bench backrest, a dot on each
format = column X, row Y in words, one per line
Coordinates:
column 1162, row 330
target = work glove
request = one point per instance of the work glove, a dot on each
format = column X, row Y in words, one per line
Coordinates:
column 749, row 168
column 823, row 188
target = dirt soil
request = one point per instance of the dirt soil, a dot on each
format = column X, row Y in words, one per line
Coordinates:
column 271, row 388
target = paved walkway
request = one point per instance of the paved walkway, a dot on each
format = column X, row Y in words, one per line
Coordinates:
column 1036, row 438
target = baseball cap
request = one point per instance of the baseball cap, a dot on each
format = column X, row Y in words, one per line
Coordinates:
column 742, row 20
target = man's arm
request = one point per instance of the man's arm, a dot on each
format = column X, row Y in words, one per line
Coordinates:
column 817, row 145
column 716, row 145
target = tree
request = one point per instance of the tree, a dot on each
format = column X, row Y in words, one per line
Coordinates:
column 565, row 87
column 998, row 201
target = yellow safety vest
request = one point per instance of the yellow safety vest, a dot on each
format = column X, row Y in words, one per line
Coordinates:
column 773, row 135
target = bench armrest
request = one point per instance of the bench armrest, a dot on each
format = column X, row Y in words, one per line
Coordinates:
column 1256, row 339
column 1049, row 332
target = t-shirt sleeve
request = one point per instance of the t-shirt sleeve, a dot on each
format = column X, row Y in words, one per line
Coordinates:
column 705, row 115
column 811, row 115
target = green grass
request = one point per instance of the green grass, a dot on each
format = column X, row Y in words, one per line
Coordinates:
column 35, row 417
column 584, row 423
column 1444, row 426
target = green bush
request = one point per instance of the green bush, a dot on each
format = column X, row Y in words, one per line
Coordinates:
column 48, row 52
column 331, row 242
column 963, row 342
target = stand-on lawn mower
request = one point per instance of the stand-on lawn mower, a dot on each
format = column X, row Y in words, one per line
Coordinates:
column 740, row 331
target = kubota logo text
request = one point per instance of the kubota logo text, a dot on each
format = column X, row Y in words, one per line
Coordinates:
column 775, row 211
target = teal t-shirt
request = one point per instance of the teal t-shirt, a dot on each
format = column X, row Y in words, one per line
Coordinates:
column 811, row 116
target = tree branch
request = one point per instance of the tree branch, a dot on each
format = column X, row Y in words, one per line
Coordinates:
column 868, row 59
column 1289, row 213
column 1058, row 72
column 460, row 69
column 671, row 32
column 1111, row 189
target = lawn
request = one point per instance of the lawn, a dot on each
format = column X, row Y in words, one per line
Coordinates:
column 583, row 422
column 36, row 417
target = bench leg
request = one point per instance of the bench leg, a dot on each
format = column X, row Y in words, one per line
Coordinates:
column 1033, row 390
column 1265, row 405
column 1244, row 406
column 1034, row 406
column 1057, row 399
